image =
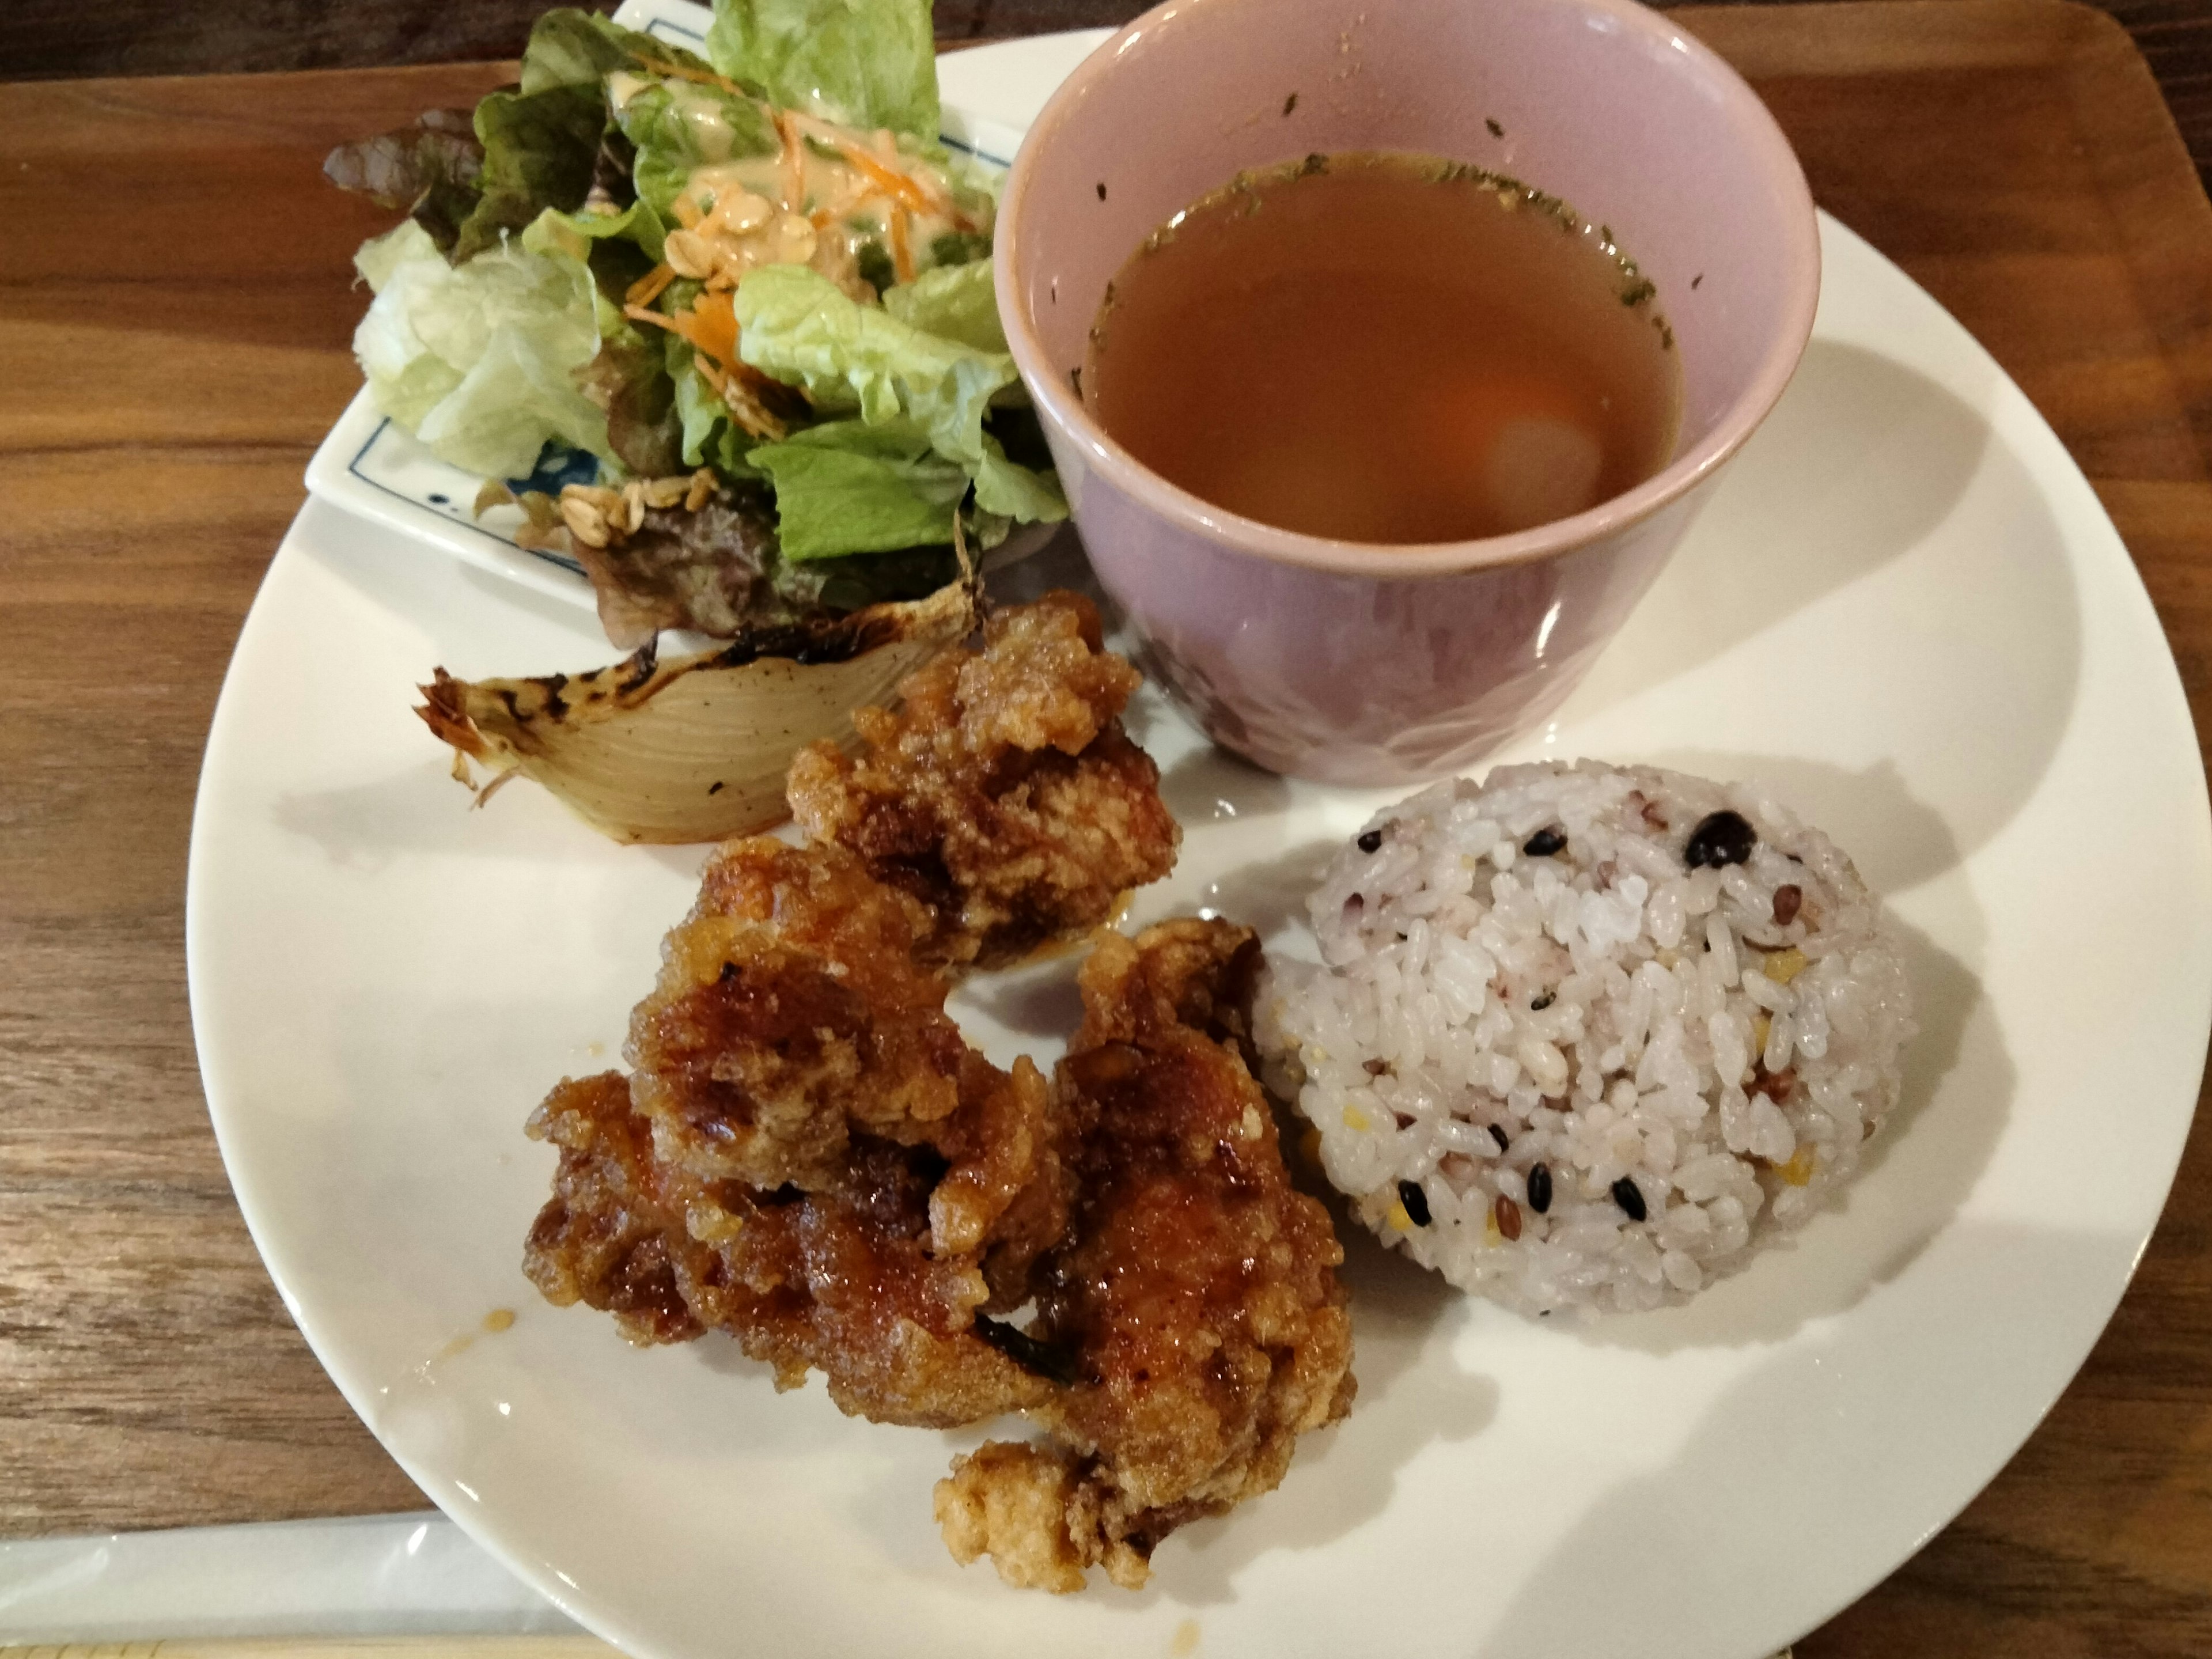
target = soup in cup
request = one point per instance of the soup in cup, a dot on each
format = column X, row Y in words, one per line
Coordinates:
column 1382, row 661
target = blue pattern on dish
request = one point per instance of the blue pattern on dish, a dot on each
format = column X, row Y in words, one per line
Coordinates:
column 557, row 466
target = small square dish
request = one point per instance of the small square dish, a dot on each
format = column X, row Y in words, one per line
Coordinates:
column 372, row 469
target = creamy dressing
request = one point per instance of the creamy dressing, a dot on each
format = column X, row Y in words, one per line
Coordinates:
column 725, row 196
column 829, row 197
column 705, row 115
column 850, row 204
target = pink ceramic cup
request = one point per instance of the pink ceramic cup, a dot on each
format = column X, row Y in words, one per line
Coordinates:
column 1363, row 664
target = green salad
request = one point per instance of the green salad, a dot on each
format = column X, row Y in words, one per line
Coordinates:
column 754, row 287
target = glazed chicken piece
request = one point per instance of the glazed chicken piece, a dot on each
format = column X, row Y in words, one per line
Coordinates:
column 808, row 1155
column 1188, row 1326
column 789, row 1014
column 612, row 1233
column 1004, row 794
column 1195, row 1296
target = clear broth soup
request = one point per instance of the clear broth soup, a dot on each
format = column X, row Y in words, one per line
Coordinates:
column 1387, row 348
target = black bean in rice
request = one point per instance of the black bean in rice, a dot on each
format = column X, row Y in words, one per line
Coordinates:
column 1656, row 1045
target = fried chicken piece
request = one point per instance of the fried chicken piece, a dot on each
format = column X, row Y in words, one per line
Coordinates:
column 607, row 1234
column 789, row 1013
column 808, row 1155
column 1004, row 794
column 1196, row 1293
column 842, row 1280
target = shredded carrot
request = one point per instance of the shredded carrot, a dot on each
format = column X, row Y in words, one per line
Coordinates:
column 738, row 395
column 648, row 288
column 757, row 421
column 902, row 255
column 901, row 187
column 680, row 72
column 881, row 172
column 686, row 211
column 711, row 325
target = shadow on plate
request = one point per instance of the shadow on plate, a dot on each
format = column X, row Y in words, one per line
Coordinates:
column 422, row 811
column 1897, row 841
column 475, row 624
column 1862, row 458
column 1040, row 1003
column 1269, row 895
column 1209, row 785
column 579, row 616
column 1965, row 679
column 1818, row 1471
column 1060, row 563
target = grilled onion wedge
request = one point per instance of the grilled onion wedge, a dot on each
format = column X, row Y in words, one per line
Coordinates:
column 691, row 748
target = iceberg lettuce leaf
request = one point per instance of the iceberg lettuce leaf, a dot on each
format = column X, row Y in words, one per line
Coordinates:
column 1010, row 490
column 554, row 231
column 956, row 300
column 479, row 360
column 864, row 63
column 848, row 487
column 679, row 126
column 797, row 325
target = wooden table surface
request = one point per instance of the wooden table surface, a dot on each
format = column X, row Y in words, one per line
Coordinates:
column 67, row 38
column 175, row 309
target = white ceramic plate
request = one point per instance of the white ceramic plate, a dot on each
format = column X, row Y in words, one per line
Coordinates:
column 1904, row 608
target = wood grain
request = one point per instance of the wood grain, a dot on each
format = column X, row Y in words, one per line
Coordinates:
column 163, row 392
column 50, row 38
column 165, row 384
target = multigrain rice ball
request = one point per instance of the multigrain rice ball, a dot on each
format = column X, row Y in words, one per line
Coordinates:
column 1586, row 1036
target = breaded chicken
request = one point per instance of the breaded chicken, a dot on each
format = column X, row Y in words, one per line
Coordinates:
column 612, row 1231
column 842, row 1280
column 1003, row 794
column 808, row 1155
column 790, row 1013
column 1196, row 1294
